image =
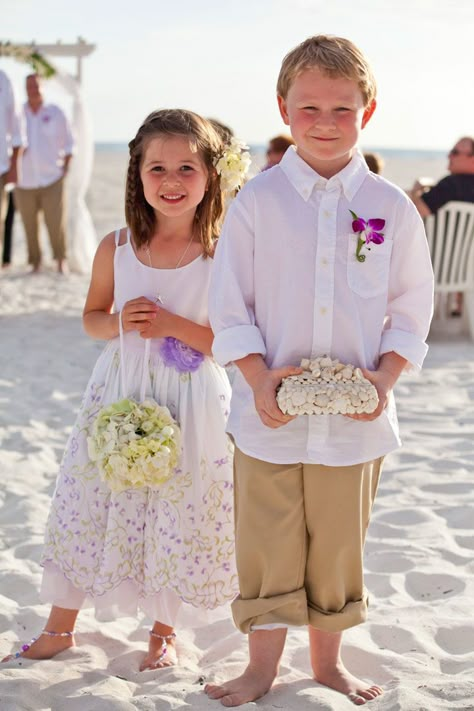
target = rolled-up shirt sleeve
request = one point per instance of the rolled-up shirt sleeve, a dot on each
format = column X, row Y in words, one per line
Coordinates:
column 231, row 293
column 410, row 294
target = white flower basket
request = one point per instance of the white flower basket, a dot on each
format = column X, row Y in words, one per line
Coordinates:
column 134, row 445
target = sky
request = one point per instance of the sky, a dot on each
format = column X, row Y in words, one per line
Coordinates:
column 221, row 58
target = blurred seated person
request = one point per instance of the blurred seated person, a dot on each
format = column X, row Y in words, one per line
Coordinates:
column 276, row 149
column 459, row 185
column 375, row 162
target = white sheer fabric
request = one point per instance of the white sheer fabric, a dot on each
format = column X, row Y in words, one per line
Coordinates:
column 81, row 234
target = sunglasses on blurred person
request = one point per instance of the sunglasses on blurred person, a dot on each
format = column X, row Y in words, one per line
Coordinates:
column 457, row 152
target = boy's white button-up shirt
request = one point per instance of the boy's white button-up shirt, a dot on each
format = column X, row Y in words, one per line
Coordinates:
column 286, row 284
column 11, row 133
column 49, row 140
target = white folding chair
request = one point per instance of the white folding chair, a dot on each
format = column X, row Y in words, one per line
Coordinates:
column 450, row 233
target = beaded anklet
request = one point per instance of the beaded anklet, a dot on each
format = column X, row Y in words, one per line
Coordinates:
column 164, row 647
column 25, row 647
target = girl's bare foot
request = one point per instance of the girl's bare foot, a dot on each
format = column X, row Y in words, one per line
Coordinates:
column 46, row 646
column 161, row 651
column 252, row 685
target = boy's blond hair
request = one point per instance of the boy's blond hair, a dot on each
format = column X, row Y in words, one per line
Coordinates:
column 334, row 56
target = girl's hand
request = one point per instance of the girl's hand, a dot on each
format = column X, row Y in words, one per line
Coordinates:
column 264, row 385
column 160, row 326
column 138, row 314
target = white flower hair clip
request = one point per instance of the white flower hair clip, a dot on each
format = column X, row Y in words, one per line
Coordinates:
column 232, row 165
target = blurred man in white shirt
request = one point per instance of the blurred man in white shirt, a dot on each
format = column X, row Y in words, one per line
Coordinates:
column 11, row 140
column 44, row 165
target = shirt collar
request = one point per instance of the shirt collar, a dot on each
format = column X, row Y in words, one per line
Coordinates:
column 304, row 179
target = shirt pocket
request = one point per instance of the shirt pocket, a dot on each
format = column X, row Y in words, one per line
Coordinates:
column 370, row 277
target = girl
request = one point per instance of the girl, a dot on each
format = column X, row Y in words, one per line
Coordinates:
column 165, row 548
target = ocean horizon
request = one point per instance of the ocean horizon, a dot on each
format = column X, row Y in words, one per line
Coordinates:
column 259, row 148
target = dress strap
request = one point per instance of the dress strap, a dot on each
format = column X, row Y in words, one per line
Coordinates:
column 117, row 236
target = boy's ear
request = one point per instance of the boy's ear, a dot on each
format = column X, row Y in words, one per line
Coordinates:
column 283, row 111
column 368, row 113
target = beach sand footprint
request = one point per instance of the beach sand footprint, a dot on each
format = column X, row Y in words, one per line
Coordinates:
column 396, row 639
column 456, row 639
column 432, row 586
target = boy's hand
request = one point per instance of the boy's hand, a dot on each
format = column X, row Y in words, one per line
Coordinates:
column 384, row 385
column 264, row 385
column 384, row 379
column 138, row 314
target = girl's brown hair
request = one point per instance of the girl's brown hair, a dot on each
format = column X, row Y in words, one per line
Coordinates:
column 203, row 138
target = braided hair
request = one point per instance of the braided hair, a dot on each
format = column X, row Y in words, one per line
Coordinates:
column 140, row 216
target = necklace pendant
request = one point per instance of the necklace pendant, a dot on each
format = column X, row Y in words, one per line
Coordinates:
column 158, row 299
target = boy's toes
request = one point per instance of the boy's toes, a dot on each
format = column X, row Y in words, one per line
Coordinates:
column 356, row 699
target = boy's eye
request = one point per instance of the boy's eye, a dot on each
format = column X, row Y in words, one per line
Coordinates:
column 309, row 108
column 342, row 108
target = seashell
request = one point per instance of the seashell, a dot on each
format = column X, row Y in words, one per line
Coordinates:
column 346, row 373
column 321, row 400
column 298, row 398
column 325, row 362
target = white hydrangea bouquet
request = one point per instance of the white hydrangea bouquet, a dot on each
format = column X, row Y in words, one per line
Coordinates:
column 134, row 444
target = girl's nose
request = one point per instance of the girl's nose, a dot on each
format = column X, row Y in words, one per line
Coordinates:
column 172, row 178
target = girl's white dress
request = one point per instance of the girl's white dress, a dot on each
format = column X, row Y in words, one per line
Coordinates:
column 153, row 549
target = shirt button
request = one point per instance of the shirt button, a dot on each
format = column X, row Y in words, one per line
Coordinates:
column 327, row 213
column 324, row 262
column 323, row 310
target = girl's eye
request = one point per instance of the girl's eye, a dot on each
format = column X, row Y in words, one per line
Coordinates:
column 186, row 168
column 157, row 169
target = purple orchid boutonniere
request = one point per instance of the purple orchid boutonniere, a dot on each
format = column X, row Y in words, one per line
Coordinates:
column 368, row 232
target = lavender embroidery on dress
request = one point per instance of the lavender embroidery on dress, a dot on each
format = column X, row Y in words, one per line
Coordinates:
column 180, row 356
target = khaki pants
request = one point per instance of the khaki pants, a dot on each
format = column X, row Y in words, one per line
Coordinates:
column 50, row 201
column 300, row 533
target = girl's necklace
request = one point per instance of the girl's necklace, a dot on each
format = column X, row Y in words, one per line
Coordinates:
column 147, row 250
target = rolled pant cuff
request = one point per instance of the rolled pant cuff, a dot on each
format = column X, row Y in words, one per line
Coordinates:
column 353, row 613
column 287, row 609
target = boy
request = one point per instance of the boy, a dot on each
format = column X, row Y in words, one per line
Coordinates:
column 291, row 280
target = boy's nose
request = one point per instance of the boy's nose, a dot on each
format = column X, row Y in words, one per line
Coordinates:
column 325, row 119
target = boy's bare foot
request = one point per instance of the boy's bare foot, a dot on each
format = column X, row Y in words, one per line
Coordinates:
column 252, row 685
column 339, row 679
column 329, row 670
column 265, row 650
column 45, row 647
column 161, row 652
